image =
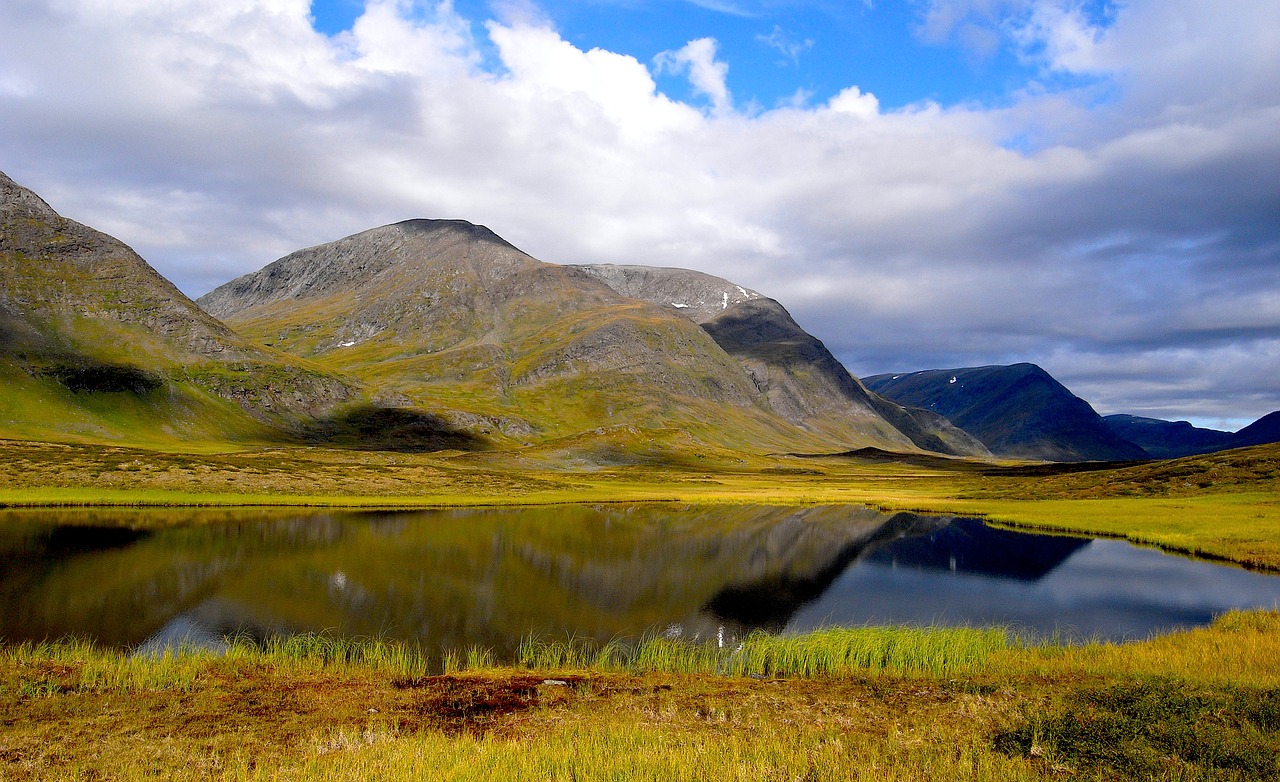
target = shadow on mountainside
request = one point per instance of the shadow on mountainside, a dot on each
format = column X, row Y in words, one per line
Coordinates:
column 373, row 428
column 104, row 378
column 77, row 372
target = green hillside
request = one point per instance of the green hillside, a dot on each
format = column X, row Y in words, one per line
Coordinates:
column 96, row 345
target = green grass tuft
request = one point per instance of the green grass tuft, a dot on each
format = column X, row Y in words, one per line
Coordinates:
column 830, row 652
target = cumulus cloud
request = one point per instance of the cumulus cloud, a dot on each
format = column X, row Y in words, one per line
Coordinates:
column 1127, row 239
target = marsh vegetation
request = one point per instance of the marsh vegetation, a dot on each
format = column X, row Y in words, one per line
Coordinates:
column 945, row 704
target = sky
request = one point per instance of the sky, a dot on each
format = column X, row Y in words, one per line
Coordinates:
column 1089, row 185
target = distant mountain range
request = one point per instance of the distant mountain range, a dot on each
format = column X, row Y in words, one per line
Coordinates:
column 1021, row 411
column 1173, row 439
column 439, row 334
column 1017, row 411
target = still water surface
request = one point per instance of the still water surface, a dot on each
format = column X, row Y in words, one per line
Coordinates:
column 453, row 578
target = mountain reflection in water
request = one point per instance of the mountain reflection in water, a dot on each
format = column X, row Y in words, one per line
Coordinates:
column 924, row 543
column 491, row 576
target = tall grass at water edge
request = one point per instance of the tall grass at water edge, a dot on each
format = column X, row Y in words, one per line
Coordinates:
column 75, row 665
column 819, row 653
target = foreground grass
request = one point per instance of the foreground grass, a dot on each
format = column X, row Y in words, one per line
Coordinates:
column 319, row 708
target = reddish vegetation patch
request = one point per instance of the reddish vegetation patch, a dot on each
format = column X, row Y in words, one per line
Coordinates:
column 473, row 704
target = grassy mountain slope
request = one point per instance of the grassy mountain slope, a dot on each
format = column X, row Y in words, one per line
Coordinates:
column 1017, row 411
column 800, row 379
column 448, row 315
column 95, row 344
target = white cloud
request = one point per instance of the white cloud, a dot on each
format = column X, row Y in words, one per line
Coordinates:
column 1129, row 245
column 1061, row 36
column 707, row 74
column 389, row 37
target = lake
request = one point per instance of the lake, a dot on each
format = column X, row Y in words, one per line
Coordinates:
column 454, row 578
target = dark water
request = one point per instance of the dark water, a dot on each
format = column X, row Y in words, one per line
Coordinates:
column 489, row 577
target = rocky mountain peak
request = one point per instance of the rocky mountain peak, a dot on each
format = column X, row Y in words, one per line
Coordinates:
column 413, row 253
column 18, row 201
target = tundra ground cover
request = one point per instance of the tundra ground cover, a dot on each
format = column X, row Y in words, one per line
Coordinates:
column 319, row 708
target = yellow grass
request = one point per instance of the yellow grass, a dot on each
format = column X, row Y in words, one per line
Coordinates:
column 321, row 710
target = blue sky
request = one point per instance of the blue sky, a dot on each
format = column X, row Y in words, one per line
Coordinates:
column 1092, row 186
column 787, row 50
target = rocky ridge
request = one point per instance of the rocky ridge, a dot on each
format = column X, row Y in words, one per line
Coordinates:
column 450, row 316
column 800, row 378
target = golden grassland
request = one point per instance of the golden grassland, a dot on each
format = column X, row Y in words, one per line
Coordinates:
column 872, row 703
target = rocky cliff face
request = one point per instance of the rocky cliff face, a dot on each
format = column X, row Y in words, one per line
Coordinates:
column 697, row 296
column 800, row 379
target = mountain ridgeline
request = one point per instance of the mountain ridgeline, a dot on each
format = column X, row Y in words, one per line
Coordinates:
column 1175, row 439
column 447, row 315
column 1017, row 411
column 799, row 378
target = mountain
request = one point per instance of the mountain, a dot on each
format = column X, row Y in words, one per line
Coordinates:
column 1168, row 439
column 450, row 316
column 1265, row 430
column 800, row 379
column 95, row 343
column 1174, row 439
column 1018, row 411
